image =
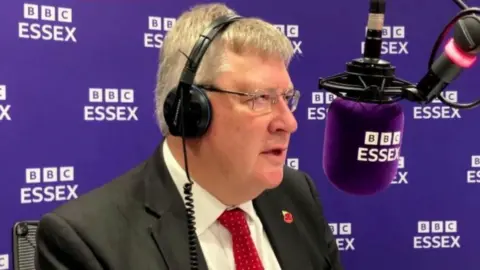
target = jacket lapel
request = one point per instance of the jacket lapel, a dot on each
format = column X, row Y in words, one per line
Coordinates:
column 171, row 237
column 284, row 236
column 169, row 230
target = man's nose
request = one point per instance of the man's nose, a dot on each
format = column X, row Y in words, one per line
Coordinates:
column 286, row 121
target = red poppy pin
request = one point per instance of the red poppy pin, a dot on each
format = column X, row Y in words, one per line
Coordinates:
column 287, row 216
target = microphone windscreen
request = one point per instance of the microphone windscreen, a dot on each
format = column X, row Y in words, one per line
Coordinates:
column 362, row 145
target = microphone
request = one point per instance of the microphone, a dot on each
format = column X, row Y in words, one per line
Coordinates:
column 362, row 145
column 363, row 129
column 365, row 123
column 459, row 53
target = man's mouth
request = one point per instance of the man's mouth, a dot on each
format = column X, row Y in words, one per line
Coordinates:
column 275, row 151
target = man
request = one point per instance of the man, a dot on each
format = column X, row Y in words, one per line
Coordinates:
column 250, row 209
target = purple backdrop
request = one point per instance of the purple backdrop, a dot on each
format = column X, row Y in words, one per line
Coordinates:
column 101, row 56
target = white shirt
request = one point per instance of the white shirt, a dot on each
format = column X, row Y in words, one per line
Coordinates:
column 214, row 239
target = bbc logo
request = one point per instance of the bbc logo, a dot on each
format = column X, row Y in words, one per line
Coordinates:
column 110, row 95
column 49, row 175
column 451, row 96
column 382, row 138
column 322, row 98
column 341, row 228
column 3, row 92
column 159, row 23
column 449, row 226
column 47, row 13
column 4, row 262
column 392, row 31
column 290, row 30
column 475, row 161
column 293, row 163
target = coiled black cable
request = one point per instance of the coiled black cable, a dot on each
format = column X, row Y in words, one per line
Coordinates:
column 187, row 190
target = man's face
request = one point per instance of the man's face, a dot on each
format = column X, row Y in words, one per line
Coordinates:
column 250, row 147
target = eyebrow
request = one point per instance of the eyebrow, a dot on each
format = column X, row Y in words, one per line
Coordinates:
column 289, row 87
column 257, row 85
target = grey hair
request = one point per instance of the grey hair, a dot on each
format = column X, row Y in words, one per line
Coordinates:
column 246, row 36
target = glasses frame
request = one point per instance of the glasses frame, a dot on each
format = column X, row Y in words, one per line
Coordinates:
column 295, row 95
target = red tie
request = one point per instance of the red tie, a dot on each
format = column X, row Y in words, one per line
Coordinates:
column 244, row 251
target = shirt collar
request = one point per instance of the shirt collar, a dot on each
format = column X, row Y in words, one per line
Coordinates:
column 207, row 207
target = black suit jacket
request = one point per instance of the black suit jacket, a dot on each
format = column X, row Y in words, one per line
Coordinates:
column 137, row 222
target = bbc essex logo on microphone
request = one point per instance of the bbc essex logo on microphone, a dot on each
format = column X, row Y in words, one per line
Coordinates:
column 437, row 110
column 157, row 29
column 48, row 23
column 393, row 40
column 380, row 147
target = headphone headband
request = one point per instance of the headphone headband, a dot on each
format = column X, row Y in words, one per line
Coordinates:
column 201, row 46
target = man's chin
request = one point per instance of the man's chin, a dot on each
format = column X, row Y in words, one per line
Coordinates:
column 272, row 178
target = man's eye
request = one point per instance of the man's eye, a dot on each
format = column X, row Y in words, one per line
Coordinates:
column 263, row 97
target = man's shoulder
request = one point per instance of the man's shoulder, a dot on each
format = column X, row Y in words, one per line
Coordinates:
column 296, row 182
column 107, row 203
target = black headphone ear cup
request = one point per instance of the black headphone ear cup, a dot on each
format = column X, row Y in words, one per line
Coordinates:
column 169, row 109
column 198, row 115
column 200, row 111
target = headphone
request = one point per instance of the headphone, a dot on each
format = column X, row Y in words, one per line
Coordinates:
column 197, row 109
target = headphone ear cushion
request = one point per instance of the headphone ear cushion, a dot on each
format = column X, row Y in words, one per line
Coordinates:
column 169, row 109
column 200, row 111
column 198, row 115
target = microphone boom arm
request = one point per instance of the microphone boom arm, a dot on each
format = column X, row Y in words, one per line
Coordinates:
column 373, row 79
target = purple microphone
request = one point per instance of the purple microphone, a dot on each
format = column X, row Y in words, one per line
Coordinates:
column 362, row 145
column 364, row 124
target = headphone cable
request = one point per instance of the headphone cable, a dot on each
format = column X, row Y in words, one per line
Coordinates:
column 187, row 189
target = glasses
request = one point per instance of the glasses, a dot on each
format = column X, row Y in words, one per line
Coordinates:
column 262, row 100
